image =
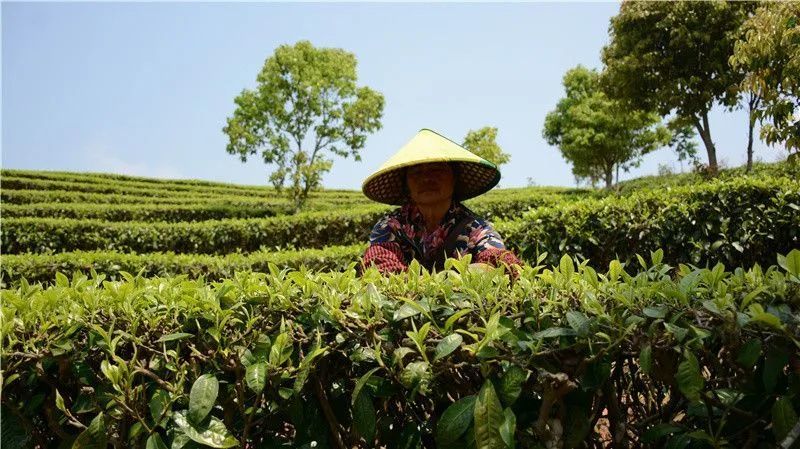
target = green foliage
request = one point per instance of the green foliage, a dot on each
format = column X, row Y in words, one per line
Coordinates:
column 308, row 230
column 112, row 264
column 672, row 57
column 488, row 417
column 758, row 171
column 455, row 421
column 306, row 106
column 88, row 359
column 145, row 212
column 769, row 55
column 598, row 134
column 731, row 220
column 737, row 222
column 483, row 142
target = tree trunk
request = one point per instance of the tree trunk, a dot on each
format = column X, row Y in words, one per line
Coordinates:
column 705, row 134
column 753, row 105
column 609, row 176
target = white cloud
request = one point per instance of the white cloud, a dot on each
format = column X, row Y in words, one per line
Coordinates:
column 101, row 158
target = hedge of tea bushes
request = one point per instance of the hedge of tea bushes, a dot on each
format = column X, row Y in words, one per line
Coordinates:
column 109, row 178
column 112, row 207
column 145, row 212
column 760, row 170
column 43, row 267
column 735, row 222
column 738, row 222
column 565, row 356
column 13, row 182
column 305, row 230
column 162, row 190
column 27, row 203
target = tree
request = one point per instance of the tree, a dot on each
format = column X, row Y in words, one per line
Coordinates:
column 483, row 143
column 306, row 106
column 769, row 55
column 598, row 134
column 672, row 57
column 682, row 141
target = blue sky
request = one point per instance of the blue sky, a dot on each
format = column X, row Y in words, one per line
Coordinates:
column 145, row 88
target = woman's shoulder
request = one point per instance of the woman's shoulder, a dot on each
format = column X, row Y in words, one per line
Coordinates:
column 476, row 221
column 384, row 228
column 394, row 214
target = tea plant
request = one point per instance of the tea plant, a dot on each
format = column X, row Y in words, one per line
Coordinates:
column 567, row 356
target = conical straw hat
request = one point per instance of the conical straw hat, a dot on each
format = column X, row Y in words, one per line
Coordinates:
column 473, row 174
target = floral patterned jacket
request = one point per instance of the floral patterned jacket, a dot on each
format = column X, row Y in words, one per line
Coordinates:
column 402, row 236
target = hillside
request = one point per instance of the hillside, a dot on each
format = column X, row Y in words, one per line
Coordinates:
column 190, row 314
column 111, row 223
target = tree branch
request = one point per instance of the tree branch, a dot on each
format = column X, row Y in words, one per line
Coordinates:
column 333, row 424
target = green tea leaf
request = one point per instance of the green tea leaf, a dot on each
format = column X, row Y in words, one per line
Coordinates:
column 305, row 367
column 690, row 380
column 579, row 322
column 93, row 437
column 791, row 262
column 447, row 345
column 565, row 266
column 281, row 350
column 508, row 428
column 364, row 417
column 202, row 397
column 404, row 312
column 174, row 337
column 554, row 332
column 155, row 442
column 454, row 317
column 784, row 418
column 455, row 421
column 646, row 359
column 488, row 416
column 774, row 362
column 158, row 403
column 180, row 439
column 655, row 312
column 256, row 376
column 60, row 403
column 213, row 434
column 360, row 384
column 416, row 376
column 679, row 332
column 510, row 385
column 749, row 354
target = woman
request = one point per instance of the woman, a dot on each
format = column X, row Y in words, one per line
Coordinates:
column 429, row 177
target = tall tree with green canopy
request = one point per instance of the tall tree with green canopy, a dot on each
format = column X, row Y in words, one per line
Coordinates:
column 672, row 57
column 305, row 108
column 483, row 142
column 769, row 55
column 598, row 134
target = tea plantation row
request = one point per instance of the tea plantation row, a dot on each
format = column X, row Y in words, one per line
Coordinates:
column 738, row 222
column 563, row 357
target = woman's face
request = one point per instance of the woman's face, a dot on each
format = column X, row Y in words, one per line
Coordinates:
column 430, row 183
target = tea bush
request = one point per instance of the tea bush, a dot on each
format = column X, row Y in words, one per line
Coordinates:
column 737, row 222
column 43, row 267
column 562, row 357
column 305, row 230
